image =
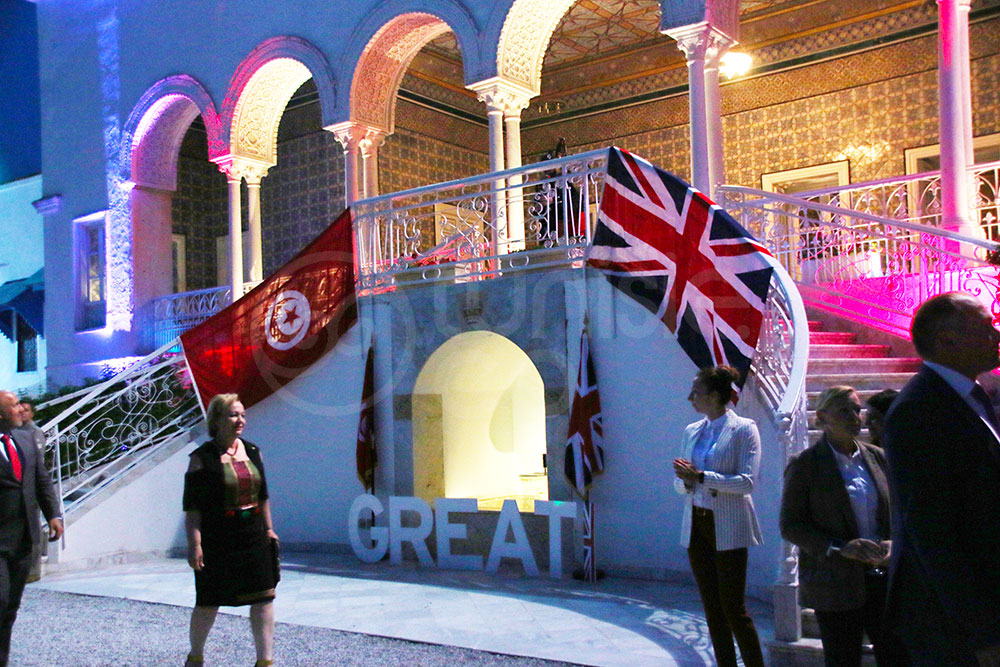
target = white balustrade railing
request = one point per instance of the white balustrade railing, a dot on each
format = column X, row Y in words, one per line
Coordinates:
column 917, row 197
column 479, row 227
column 104, row 430
column 864, row 266
column 173, row 314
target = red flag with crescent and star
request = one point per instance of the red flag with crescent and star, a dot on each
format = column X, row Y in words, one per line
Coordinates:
column 281, row 327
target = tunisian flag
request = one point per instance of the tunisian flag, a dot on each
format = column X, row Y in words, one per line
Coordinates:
column 264, row 340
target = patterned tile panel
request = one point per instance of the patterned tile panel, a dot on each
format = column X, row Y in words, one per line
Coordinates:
column 200, row 213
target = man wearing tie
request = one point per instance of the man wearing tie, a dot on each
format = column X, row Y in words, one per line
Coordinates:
column 942, row 443
column 25, row 486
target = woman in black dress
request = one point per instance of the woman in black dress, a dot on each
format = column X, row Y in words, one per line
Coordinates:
column 231, row 541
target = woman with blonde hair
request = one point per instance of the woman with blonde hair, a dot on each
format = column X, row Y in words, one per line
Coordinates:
column 835, row 508
column 232, row 546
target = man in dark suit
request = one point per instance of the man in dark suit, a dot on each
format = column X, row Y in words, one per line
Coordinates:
column 25, row 486
column 942, row 443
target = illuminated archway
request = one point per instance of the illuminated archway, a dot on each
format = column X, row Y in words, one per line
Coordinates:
column 261, row 88
column 139, row 241
column 524, row 39
column 479, row 423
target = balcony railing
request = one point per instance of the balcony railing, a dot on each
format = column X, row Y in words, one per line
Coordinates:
column 536, row 216
column 863, row 266
column 917, row 198
column 173, row 314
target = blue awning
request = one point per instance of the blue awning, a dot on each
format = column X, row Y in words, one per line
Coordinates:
column 26, row 297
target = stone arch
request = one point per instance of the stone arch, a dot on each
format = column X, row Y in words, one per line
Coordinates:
column 154, row 131
column 261, row 88
column 521, row 36
column 388, row 41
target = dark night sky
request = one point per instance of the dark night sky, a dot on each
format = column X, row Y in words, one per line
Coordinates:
column 20, row 121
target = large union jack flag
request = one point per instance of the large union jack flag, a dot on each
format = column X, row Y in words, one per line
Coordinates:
column 670, row 248
column 584, row 454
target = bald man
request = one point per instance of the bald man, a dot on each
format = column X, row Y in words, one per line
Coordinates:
column 25, row 487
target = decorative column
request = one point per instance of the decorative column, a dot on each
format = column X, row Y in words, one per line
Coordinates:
column 350, row 135
column 703, row 44
column 515, row 194
column 236, row 168
column 503, row 98
column 373, row 140
column 955, row 115
column 233, row 179
column 253, row 178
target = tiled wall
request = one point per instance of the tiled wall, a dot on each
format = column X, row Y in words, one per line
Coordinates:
column 301, row 195
column 200, row 211
column 304, row 192
column 870, row 125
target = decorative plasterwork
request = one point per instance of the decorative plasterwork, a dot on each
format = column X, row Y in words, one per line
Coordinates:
column 154, row 153
column 383, row 64
column 153, row 133
column 525, row 38
column 503, row 95
column 254, row 131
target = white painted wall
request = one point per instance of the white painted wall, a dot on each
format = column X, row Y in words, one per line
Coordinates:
column 308, row 436
column 145, row 516
column 20, row 256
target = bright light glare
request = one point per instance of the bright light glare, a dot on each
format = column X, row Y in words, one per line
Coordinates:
column 735, row 63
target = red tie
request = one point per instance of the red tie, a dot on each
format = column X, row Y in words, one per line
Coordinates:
column 15, row 460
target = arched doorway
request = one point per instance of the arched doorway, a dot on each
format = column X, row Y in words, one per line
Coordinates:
column 479, row 423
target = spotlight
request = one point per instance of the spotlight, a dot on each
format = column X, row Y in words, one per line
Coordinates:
column 735, row 63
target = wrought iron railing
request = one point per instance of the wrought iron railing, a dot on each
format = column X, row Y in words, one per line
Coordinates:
column 530, row 217
column 863, row 266
column 917, row 197
column 105, row 430
column 173, row 314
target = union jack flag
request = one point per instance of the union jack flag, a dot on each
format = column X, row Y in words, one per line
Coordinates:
column 690, row 263
column 584, row 455
column 589, row 548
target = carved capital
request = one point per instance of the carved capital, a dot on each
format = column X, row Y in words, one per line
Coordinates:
column 372, row 141
column 502, row 95
column 350, row 134
column 237, row 168
column 702, row 41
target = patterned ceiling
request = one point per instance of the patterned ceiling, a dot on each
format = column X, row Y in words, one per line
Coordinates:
column 591, row 28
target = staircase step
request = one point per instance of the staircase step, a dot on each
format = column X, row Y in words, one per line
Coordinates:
column 831, row 337
column 847, row 351
column 816, row 325
column 862, row 366
column 807, row 652
column 873, row 381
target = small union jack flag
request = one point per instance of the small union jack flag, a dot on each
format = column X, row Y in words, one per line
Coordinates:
column 584, row 455
column 589, row 548
column 690, row 263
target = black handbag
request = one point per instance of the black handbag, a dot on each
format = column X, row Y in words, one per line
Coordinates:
column 276, row 558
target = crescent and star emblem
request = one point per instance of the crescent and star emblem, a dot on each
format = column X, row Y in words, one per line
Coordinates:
column 287, row 320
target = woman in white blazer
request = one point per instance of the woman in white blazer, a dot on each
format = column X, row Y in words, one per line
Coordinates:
column 719, row 458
